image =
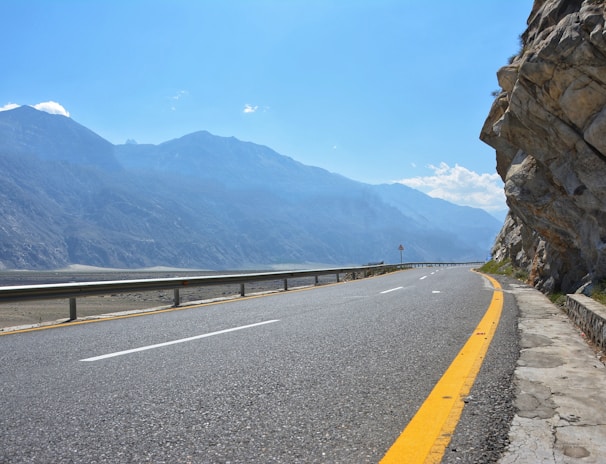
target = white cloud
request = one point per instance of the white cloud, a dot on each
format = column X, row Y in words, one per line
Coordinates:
column 49, row 107
column 250, row 108
column 9, row 106
column 52, row 108
column 461, row 186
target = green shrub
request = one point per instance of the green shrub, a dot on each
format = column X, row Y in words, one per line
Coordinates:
column 521, row 274
column 598, row 292
column 557, row 298
column 498, row 267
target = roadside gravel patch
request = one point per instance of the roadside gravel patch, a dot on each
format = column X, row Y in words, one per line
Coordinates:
column 482, row 434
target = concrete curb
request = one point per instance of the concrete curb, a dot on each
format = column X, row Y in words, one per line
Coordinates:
column 590, row 316
column 561, row 389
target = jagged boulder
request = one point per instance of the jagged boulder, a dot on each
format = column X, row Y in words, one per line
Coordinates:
column 548, row 126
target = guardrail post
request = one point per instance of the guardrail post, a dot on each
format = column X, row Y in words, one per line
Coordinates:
column 72, row 309
column 353, row 275
column 71, row 291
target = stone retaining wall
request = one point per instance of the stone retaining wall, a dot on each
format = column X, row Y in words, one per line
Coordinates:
column 590, row 316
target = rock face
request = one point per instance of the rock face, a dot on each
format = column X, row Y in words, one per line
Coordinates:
column 548, row 126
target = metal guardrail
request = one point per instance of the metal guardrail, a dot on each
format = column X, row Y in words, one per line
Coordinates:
column 75, row 290
column 420, row 264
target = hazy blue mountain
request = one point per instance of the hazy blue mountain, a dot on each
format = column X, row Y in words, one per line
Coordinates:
column 26, row 130
column 236, row 164
column 472, row 226
column 201, row 201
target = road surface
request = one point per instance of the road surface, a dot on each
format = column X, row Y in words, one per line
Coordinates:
column 329, row 374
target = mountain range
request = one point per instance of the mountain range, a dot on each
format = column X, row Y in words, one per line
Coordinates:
column 68, row 196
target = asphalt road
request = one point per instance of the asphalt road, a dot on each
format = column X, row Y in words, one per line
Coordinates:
column 332, row 374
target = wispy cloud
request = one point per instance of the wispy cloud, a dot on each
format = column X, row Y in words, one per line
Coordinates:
column 180, row 95
column 462, row 186
column 250, row 108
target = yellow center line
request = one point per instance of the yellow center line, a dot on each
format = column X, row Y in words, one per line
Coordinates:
column 427, row 435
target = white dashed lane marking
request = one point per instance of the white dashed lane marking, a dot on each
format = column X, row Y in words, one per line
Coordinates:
column 182, row 340
column 391, row 290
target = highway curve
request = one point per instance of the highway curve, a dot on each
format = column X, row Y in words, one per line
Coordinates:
column 330, row 374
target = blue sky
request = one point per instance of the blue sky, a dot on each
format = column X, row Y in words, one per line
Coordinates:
column 377, row 91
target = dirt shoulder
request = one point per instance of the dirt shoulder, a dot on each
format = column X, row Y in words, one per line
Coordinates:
column 44, row 311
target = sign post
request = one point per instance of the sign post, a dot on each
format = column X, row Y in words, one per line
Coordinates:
column 401, row 248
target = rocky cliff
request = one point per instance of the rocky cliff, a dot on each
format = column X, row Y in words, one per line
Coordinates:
column 548, row 126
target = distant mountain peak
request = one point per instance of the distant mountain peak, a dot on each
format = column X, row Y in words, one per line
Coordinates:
column 204, row 201
column 31, row 131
